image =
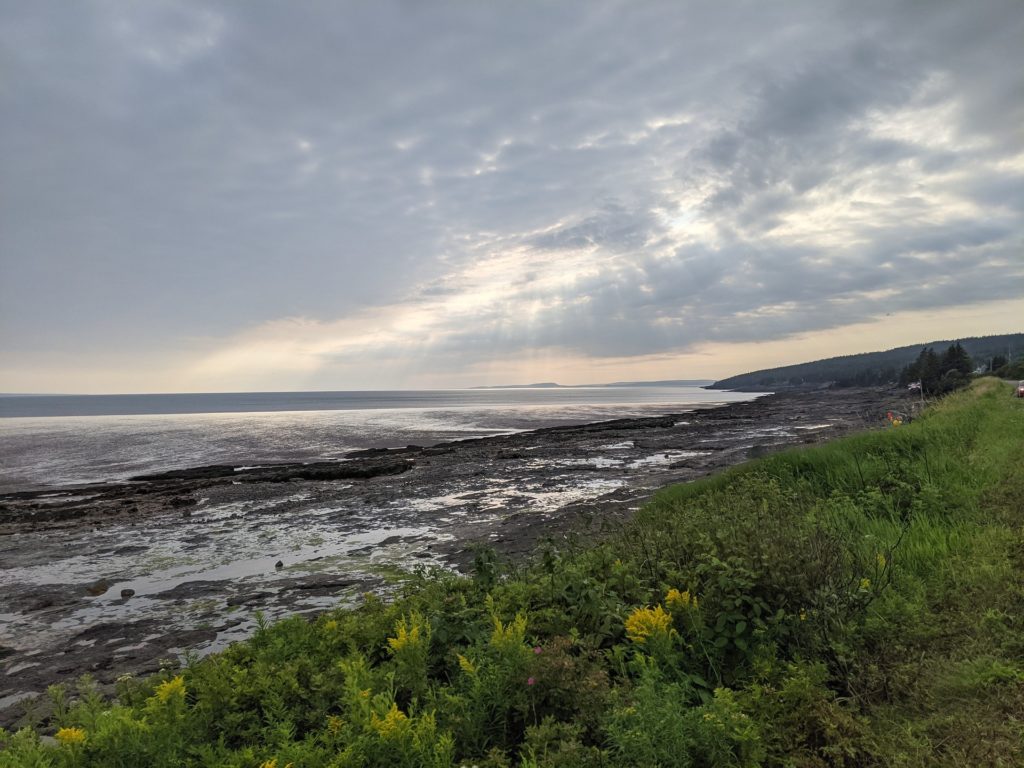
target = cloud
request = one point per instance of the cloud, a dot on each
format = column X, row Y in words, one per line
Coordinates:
column 254, row 190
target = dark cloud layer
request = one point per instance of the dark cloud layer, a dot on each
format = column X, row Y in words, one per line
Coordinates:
column 620, row 178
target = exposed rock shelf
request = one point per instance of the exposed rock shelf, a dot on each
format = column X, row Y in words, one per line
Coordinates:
column 199, row 551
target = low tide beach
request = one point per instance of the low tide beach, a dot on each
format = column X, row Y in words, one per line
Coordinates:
column 119, row 577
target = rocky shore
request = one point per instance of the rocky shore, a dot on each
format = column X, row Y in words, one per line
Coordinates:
column 114, row 579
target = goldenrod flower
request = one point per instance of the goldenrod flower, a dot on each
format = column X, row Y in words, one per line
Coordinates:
column 405, row 637
column 644, row 623
column 391, row 724
column 865, row 584
column 680, row 600
column 335, row 723
column 173, row 687
column 71, row 736
column 880, row 561
column 409, row 633
column 466, row 665
column 508, row 636
column 330, row 625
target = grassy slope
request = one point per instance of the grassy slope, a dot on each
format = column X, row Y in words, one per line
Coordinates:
column 858, row 603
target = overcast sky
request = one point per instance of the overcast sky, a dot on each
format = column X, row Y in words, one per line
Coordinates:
column 327, row 195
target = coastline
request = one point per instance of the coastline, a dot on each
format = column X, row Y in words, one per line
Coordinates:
column 431, row 505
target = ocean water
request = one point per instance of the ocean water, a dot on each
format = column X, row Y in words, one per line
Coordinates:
column 48, row 441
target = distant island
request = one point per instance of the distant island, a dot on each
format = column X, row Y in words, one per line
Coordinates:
column 540, row 385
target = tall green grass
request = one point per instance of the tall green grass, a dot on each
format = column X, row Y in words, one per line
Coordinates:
column 859, row 603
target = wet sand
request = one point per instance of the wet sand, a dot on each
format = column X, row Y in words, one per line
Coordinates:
column 196, row 553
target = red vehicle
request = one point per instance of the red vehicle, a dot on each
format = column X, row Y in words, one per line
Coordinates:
column 1020, row 389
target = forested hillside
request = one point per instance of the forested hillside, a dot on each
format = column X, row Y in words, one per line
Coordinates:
column 873, row 368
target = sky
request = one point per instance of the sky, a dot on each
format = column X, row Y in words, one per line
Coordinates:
column 237, row 196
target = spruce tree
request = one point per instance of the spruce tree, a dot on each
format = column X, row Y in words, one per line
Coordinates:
column 928, row 369
column 956, row 359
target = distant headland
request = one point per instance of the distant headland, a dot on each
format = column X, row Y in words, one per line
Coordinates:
column 554, row 385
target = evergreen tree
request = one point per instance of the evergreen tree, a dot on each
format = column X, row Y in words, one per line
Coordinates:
column 956, row 359
column 928, row 370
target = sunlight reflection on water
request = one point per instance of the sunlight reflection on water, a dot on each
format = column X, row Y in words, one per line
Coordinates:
column 59, row 450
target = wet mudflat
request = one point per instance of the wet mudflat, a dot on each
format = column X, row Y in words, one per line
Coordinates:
column 116, row 579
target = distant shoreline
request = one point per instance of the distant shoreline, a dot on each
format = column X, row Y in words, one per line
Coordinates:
column 703, row 383
column 33, row 406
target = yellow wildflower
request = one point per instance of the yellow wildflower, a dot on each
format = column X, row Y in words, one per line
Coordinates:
column 880, row 561
column 269, row 763
column 330, row 626
column 71, row 736
column 173, row 687
column 644, row 623
column 865, row 584
column 335, row 723
column 365, row 693
column 392, row 724
column 405, row 637
column 466, row 665
column 803, row 615
column 507, row 637
column 409, row 633
column 679, row 600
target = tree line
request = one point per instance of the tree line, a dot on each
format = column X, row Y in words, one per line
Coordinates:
column 1002, row 367
column 993, row 353
column 939, row 374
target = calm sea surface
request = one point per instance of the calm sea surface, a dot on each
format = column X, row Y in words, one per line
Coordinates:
column 61, row 440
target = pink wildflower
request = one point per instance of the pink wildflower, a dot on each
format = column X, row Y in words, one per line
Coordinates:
column 537, row 649
column 530, row 681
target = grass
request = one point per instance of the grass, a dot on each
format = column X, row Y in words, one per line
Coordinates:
column 853, row 604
